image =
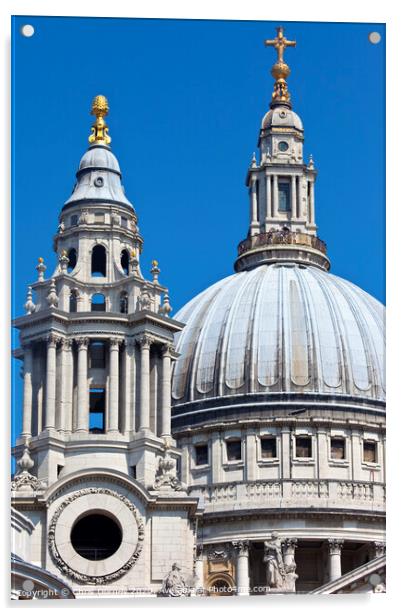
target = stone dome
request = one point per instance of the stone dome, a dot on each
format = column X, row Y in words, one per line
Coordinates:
column 99, row 157
column 281, row 116
column 280, row 328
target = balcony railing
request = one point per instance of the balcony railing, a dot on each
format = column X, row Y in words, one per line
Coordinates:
column 329, row 493
column 281, row 237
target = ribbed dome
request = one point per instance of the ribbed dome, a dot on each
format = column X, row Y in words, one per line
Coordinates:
column 99, row 157
column 280, row 328
column 281, row 116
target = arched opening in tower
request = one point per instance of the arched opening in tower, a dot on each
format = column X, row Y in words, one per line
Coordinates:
column 124, row 302
column 98, row 261
column 96, row 536
column 73, row 300
column 98, row 303
column 72, row 260
column 124, row 261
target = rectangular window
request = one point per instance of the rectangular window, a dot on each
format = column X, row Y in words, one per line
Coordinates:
column 97, row 355
column 97, row 411
column 303, row 446
column 124, row 222
column 369, row 451
column 338, row 448
column 268, row 447
column 74, row 220
column 133, row 472
column 284, row 196
column 233, row 450
column 99, row 217
column 201, row 455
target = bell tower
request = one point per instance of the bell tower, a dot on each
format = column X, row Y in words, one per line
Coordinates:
column 97, row 339
column 280, row 183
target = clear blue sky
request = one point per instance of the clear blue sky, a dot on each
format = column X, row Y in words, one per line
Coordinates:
column 186, row 100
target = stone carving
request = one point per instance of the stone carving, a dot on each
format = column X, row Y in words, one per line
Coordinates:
column 166, row 308
column 216, row 554
column 52, row 298
column 64, row 261
column 23, row 479
column 82, row 577
column 144, row 301
column 29, row 305
column 166, row 473
column 281, row 576
column 41, row 269
column 174, row 584
column 61, row 227
column 84, row 218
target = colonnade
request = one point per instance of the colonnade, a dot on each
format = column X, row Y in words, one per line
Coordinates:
column 59, row 412
column 264, row 202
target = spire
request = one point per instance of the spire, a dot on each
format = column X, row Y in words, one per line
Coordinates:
column 280, row 70
column 100, row 130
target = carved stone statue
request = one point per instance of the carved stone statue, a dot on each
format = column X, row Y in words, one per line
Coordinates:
column 174, row 584
column 274, row 560
column 166, row 473
column 144, row 301
column 281, row 576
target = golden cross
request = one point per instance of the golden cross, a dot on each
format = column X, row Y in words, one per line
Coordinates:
column 280, row 43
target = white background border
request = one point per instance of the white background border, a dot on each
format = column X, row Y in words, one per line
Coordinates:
column 384, row 11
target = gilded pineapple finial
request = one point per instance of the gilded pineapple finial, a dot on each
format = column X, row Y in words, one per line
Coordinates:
column 100, row 130
column 280, row 70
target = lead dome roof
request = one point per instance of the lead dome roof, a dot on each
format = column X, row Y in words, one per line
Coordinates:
column 280, row 328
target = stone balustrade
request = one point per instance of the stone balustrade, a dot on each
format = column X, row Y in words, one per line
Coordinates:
column 328, row 493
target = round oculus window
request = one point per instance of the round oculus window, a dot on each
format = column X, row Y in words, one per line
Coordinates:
column 98, row 182
column 283, row 146
column 96, row 536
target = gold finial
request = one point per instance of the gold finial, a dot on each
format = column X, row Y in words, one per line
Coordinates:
column 100, row 130
column 280, row 69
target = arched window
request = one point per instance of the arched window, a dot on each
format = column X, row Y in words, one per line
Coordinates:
column 98, row 303
column 72, row 260
column 73, row 300
column 124, row 302
column 124, row 261
column 98, row 261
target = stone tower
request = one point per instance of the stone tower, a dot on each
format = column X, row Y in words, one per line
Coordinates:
column 97, row 345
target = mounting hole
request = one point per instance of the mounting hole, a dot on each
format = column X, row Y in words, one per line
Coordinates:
column 27, row 30
column 374, row 37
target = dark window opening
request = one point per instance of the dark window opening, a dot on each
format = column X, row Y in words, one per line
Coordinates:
column 123, row 221
column 97, row 355
column 338, row 448
column 124, row 303
column 59, row 469
column 72, row 260
column 233, row 450
column 99, row 218
column 201, row 454
column 124, row 261
column 74, row 220
column 73, row 301
column 369, row 451
column 303, row 447
column 97, row 411
column 133, row 472
column 96, row 536
column 284, row 196
column 98, row 303
column 268, row 447
column 98, row 261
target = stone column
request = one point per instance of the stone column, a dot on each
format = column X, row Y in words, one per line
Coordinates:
column 27, row 408
column 253, row 207
column 166, row 391
column 294, row 198
column 113, row 422
column 242, row 573
column 275, row 197
column 300, row 196
column 51, row 382
column 311, row 203
column 334, row 552
column 82, row 386
column 268, row 193
column 128, row 388
column 64, row 420
column 145, row 344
